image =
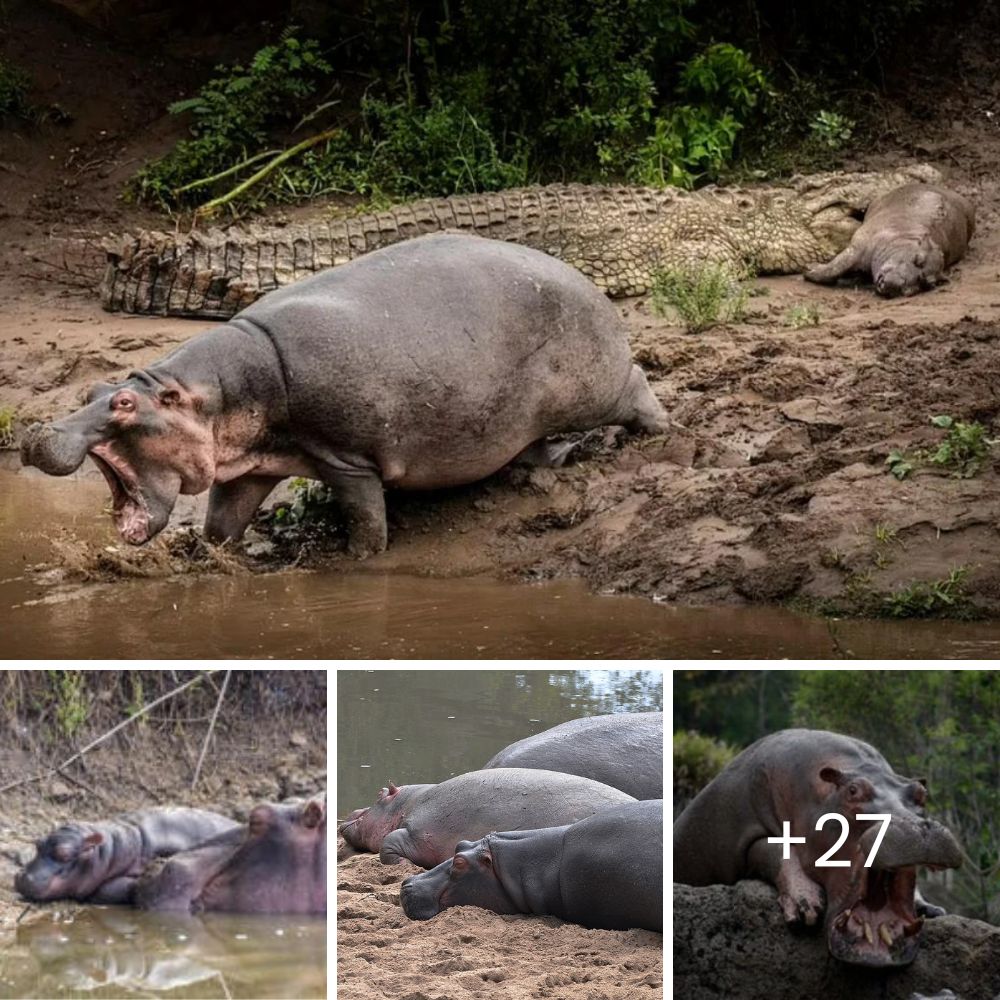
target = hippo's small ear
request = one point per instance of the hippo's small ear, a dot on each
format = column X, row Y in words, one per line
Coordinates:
column 832, row 775
column 169, row 397
column 91, row 841
column 392, row 788
column 312, row 815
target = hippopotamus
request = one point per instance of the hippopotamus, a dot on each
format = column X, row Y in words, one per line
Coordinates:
column 276, row 864
column 422, row 823
column 604, row 871
column 100, row 862
column 873, row 916
column 624, row 751
column 431, row 363
column 908, row 238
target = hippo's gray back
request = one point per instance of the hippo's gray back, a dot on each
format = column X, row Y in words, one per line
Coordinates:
column 624, row 751
column 448, row 350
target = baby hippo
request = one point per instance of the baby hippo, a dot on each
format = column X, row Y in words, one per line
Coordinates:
column 910, row 236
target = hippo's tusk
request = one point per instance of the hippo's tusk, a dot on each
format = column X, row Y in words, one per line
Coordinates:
column 883, row 933
column 869, row 937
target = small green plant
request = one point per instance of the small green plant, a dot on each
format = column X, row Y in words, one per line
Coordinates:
column 71, row 701
column 801, row 316
column 831, row 129
column 928, row 599
column 884, row 534
column 702, row 295
column 963, row 450
column 14, row 91
column 7, row 414
column 312, row 504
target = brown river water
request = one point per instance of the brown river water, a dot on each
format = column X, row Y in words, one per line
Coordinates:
column 356, row 614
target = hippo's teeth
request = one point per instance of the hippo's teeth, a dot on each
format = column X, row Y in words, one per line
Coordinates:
column 869, row 937
column 913, row 927
column 883, row 933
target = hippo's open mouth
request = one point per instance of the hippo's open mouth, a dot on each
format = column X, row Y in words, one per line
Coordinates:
column 880, row 927
column 128, row 506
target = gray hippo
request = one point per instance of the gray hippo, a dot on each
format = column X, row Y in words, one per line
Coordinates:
column 624, row 751
column 423, row 823
column 605, row 871
column 100, row 862
column 431, row 363
column 873, row 915
column 910, row 236
column 275, row 864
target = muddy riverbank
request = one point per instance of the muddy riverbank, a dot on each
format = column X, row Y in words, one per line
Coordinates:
column 773, row 488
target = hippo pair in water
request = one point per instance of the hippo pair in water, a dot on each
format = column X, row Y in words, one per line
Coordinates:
column 188, row 860
column 558, row 825
column 431, row 363
column 872, row 915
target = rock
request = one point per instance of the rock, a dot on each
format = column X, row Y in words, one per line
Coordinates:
column 811, row 411
column 730, row 942
column 298, row 739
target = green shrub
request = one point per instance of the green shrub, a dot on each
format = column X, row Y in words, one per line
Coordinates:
column 831, row 129
column 697, row 760
column 963, row 450
column 7, row 414
column 14, row 91
column 701, row 296
column 931, row 598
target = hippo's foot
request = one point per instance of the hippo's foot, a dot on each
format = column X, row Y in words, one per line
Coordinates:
column 924, row 909
column 361, row 499
column 802, row 903
column 847, row 260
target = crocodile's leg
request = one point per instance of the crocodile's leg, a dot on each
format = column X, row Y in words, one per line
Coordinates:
column 850, row 259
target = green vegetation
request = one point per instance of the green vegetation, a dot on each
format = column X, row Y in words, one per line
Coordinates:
column 800, row 316
column 71, row 701
column 831, row 129
column 697, row 760
column 701, row 296
column 931, row 599
column 963, row 450
column 14, row 92
column 7, row 414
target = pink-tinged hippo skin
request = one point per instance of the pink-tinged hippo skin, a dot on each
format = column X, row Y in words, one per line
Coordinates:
column 872, row 916
column 275, row 864
column 430, row 363
column 100, row 862
column 423, row 823
column 624, row 751
column 605, row 871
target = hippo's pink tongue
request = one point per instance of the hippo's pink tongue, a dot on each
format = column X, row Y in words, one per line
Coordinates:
column 880, row 928
column 128, row 507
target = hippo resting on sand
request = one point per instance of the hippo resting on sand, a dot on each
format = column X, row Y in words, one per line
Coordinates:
column 100, row 862
column 873, row 915
column 274, row 864
column 605, row 871
column 910, row 236
column 624, row 751
column 423, row 823
column 431, row 363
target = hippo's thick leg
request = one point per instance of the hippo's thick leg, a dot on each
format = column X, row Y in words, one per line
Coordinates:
column 638, row 409
column 849, row 259
column 398, row 846
column 800, row 898
column 924, row 909
column 361, row 498
column 232, row 505
column 117, row 890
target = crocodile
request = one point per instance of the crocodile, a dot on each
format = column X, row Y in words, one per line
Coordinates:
column 618, row 236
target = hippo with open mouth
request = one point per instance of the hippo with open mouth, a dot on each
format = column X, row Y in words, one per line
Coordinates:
column 431, row 363
column 873, row 916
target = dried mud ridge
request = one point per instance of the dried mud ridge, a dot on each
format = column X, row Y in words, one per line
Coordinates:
column 468, row 952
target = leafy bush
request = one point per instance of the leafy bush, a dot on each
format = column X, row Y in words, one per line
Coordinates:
column 14, row 91
column 702, row 296
column 234, row 115
column 697, row 760
column 831, row 129
column 963, row 450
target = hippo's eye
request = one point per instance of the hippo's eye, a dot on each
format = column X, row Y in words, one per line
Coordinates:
column 852, row 789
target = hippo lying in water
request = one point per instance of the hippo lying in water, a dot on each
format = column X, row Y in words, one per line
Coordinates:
column 422, row 823
column 873, row 915
column 100, row 862
column 276, row 864
column 624, row 751
column 431, row 363
column 605, row 871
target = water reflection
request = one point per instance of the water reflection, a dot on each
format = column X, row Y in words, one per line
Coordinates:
column 118, row 952
column 429, row 725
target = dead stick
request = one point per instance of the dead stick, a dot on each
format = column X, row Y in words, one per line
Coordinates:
column 211, row 729
column 110, row 732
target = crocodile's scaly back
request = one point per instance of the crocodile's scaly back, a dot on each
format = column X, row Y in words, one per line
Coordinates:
column 617, row 236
